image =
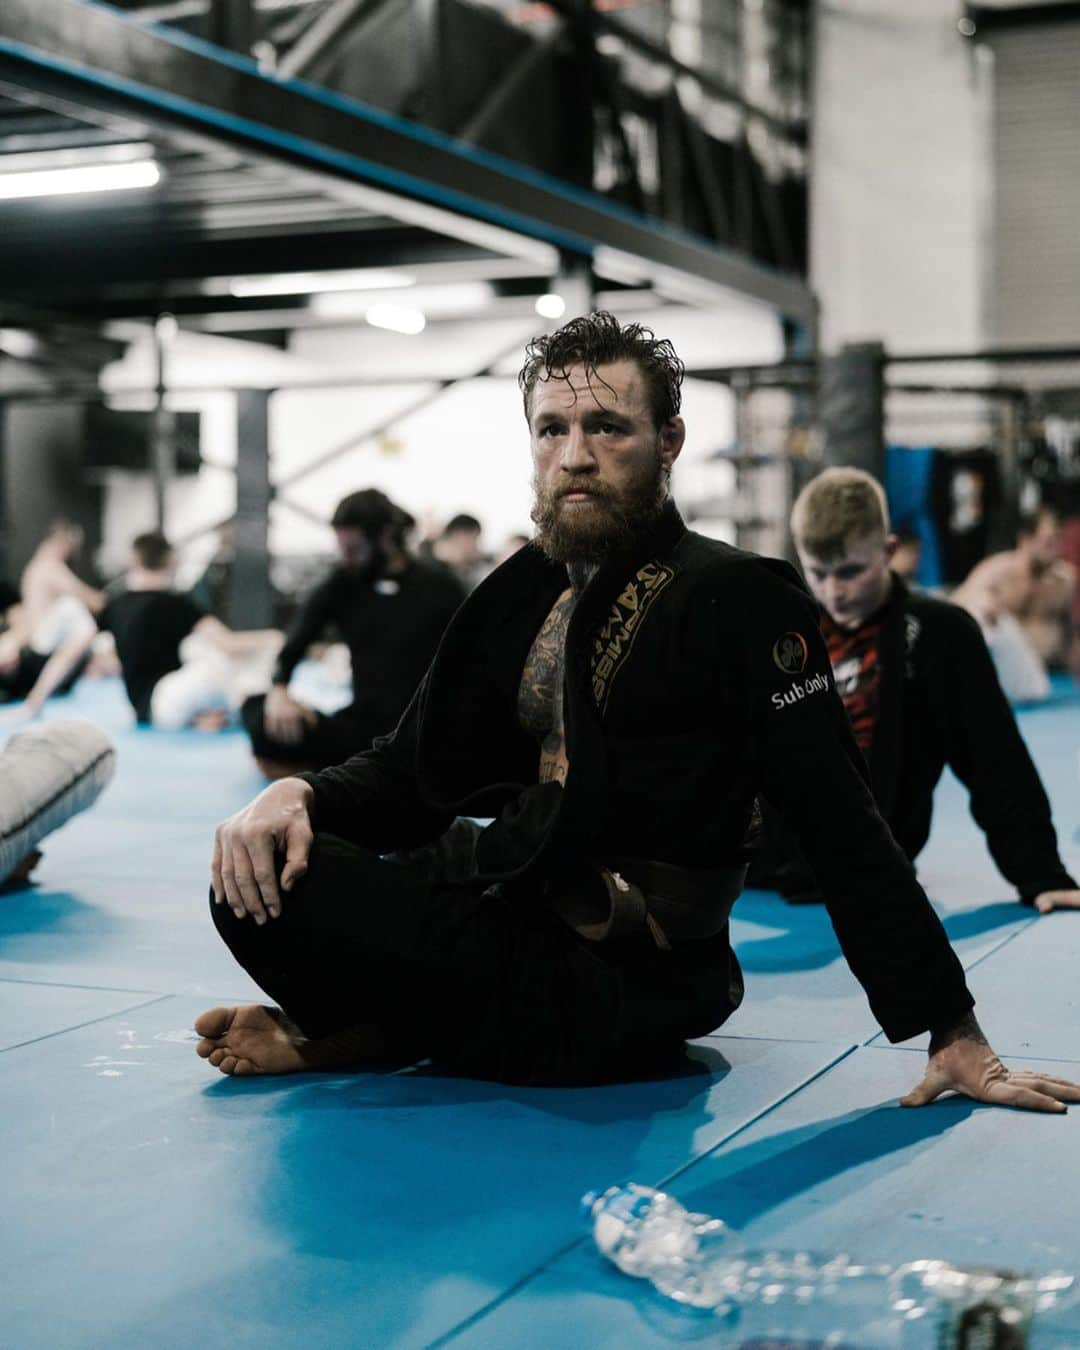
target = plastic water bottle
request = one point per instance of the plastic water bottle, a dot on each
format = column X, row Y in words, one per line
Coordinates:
column 801, row 1301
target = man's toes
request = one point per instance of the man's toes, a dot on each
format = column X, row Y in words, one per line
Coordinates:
column 244, row 1066
column 214, row 1023
column 205, row 1048
column 228, row 1063
column 216, row 1056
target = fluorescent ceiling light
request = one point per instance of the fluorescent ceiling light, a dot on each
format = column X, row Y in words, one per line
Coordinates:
column 550, row 306
column 397, row 318
column 18, row 343
column 82, row 178
column 615, row 265
column 436, row 302
column 76, row 156
column 314, row 283
column 686, row 288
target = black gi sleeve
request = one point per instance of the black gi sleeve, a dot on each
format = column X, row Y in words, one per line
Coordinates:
column 985, row 750
column 308, row 624
column 374, row 798
column 809, row 767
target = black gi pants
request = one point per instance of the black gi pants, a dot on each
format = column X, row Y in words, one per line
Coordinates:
column 486, row 985
column 333, row 739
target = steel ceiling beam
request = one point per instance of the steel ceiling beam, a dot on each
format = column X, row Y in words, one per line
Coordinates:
column 144, row 259
column 787, row 129
column 344, row 17
column 991, row 18
column 98, row 56
column 498, row 100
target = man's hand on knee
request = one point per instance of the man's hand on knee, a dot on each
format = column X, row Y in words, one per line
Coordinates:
column 247, row 845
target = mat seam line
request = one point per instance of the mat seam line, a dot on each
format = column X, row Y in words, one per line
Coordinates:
column 474, row 1319
column 64, row 1031
column 98, row 988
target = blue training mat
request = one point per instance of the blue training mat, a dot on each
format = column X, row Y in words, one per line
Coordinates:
column 148, row 1201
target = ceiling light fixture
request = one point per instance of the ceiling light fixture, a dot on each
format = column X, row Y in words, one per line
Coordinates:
column 397, row 318
column 18, row 343
column 456, row 300
column 317, row 283
column 550, row 306
column 77, row 179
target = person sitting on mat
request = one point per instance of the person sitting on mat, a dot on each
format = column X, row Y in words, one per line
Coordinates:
column 389, row 608
column 44, row 648
column 614, row 697
column 921, row 692
column 1023, row 600
column 181, row 666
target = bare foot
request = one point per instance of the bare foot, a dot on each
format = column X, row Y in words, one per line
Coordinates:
column 20, row 873
column 250, row 1039
column 255, row 1039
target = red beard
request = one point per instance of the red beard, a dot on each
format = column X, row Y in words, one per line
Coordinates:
column 585, row 532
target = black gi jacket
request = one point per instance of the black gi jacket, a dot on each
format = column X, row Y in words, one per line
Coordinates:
column 696, row 678
column 940, row 703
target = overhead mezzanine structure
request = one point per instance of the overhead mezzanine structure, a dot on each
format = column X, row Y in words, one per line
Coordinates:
column 262, row 172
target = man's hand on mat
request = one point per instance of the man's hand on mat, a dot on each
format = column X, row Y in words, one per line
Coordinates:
column 1050, row 900
column 962, row 1060
column 286, row 717
column 243, row 869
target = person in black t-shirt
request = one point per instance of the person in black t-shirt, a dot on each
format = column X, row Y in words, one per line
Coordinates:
column 181, row 666
column 388, row 608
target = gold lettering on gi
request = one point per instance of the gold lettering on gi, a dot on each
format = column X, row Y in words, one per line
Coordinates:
column 612, row 643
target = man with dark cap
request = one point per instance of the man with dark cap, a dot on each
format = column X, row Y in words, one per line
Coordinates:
column 389, row 609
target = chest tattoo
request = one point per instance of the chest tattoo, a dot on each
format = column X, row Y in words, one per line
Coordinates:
column 540, row 694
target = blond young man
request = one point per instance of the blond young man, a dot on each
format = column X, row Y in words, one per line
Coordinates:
column 921, row 692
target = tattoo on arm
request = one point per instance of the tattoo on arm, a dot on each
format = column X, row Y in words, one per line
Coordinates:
column 553, row 761
column 966, row 1029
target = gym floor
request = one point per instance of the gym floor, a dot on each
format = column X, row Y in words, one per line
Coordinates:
column 150, row 1202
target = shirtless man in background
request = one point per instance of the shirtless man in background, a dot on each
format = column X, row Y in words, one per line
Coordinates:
column 50, row 629
column 1023, row 600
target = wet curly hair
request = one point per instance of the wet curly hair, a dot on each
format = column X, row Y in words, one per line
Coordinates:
column 599, row 339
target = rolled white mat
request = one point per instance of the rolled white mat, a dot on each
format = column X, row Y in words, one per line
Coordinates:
column 48, row 774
